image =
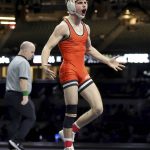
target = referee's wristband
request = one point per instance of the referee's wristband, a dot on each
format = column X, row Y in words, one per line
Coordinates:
column 25, row 93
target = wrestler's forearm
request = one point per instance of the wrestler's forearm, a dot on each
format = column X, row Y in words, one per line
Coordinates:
column 45, row 55
column 97, row 55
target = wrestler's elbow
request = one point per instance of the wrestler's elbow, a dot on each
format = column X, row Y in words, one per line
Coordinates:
column 47, row 48
column 88, row 51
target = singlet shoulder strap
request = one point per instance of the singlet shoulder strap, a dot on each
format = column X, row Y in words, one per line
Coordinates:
column 72, row 29
column 68, row 23
column 84, row 27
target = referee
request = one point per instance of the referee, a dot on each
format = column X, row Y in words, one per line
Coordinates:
column 18, row 87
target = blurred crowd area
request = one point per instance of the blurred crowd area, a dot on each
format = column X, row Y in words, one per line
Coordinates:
column 123, row 120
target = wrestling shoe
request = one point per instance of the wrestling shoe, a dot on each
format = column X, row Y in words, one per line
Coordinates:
column 61, row 133
column 15, row 145
column 69, row 148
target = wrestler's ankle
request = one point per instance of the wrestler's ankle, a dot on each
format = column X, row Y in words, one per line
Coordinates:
column 75, row 128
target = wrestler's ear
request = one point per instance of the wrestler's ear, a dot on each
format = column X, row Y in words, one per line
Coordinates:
column 71, row 6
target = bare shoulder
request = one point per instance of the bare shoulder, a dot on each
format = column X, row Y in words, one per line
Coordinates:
column 62, row 28
column 88, row 28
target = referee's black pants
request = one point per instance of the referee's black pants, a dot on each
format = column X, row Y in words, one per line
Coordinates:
column 22, row 117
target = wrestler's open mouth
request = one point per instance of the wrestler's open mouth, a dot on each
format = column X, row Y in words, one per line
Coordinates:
column 84, row 11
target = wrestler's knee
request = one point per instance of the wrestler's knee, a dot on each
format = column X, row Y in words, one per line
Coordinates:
column 97, row 110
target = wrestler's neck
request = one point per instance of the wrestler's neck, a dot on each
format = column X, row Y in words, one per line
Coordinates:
column 75, row 19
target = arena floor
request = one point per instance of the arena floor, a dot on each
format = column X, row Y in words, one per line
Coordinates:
column 81, row 146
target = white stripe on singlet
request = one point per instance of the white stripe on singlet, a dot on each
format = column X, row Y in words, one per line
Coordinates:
column 88, row 82
column 70, row 84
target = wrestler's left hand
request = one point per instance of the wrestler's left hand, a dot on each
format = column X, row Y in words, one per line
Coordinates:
column 113, row 63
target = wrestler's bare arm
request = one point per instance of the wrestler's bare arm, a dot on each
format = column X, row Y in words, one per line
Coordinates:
column 111, row 62
column 92, row 51
column 59, row 32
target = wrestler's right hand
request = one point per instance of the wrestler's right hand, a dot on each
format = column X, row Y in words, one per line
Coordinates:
column 50, row 73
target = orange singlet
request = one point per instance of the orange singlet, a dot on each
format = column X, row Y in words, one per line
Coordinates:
column 72, row 70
